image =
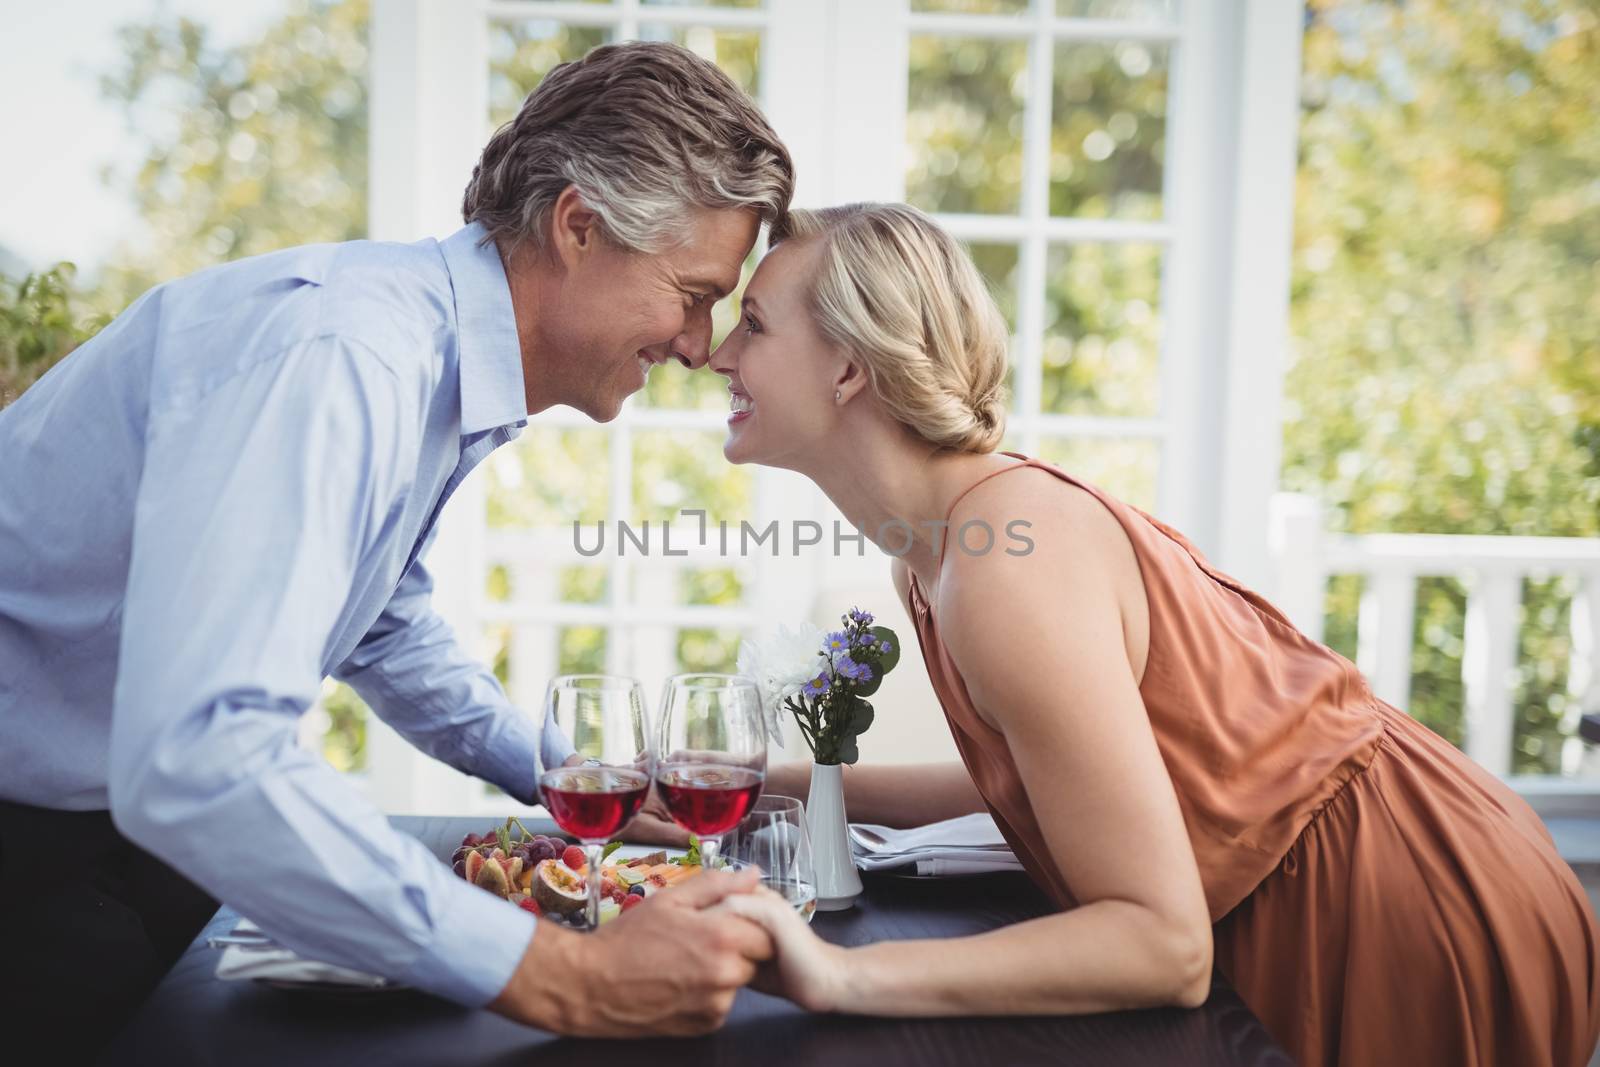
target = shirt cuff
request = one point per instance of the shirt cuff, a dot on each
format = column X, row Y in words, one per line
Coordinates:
column 478, row 941
column 558, row 748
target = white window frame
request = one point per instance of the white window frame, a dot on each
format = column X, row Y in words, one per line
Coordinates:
column 834, row 83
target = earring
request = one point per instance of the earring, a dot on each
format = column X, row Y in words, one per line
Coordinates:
column 837, row 395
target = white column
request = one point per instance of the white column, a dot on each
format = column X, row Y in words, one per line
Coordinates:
column 797, row 79
column 428, row 108
column 1258, row 316
column 428, row 113
column 1488, row 666
column 866, row 93
column 1197, row 199
column 1384, row 631
column 1301, row 578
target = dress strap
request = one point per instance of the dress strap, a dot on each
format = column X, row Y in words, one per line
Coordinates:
column 1026, row 462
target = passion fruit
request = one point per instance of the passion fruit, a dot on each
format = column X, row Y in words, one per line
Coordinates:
column 558, row 889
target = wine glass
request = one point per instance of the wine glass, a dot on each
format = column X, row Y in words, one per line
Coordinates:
column 602, row 719
column 713, row 746
column 774, row 837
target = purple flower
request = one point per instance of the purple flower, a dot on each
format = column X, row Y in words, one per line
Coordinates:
column 816, row 687
column 885, row 647
column 860, row 618
column 864, row 640
column 855, row 672
column 835, row 642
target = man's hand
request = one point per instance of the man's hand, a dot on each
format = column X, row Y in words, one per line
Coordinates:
column 696, row 960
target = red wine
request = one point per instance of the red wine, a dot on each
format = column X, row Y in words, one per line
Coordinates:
column 708, row 798
column 593, row 803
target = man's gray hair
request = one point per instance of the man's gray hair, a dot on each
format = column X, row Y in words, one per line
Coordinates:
column 646, row 132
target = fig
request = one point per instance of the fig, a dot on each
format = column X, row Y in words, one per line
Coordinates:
column 492, row 876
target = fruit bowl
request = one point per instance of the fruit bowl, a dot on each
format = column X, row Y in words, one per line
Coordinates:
column 548, row 876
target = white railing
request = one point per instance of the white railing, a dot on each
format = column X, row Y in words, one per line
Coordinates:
column 1492, row 569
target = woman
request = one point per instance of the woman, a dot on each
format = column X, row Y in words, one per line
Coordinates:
column 1190, row 779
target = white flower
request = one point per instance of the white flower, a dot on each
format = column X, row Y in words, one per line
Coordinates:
column 781, row 664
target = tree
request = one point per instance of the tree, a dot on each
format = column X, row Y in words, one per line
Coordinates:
column 247, row 149
column 1447, row 290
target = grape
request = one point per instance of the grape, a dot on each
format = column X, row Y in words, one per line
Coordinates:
column 471, row 841
column 460, row 868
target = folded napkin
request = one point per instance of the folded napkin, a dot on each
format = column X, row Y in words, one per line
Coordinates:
column 971, row 844
column 274, row 962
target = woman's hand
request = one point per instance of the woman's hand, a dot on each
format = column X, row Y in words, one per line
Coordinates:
column 805, row 968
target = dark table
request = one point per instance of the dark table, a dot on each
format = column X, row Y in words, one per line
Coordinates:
column 194, row 1019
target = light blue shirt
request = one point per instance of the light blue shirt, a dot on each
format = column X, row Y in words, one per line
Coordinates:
column 217, row 502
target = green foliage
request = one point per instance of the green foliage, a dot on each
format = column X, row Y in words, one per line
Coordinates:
column 1447, row 267
column 248, row 149
column 1446, row 298
column 41, row 322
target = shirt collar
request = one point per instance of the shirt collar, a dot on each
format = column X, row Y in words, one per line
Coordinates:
column 488, row 352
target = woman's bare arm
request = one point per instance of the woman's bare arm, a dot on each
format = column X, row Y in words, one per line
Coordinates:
column 1046, row 661
column 898, row 795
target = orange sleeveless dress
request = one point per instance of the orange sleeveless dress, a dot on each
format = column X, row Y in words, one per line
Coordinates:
column 1377, row 897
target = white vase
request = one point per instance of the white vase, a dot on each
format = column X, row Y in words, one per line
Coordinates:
column 838, row 884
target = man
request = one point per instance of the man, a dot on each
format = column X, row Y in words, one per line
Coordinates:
column 223, row 497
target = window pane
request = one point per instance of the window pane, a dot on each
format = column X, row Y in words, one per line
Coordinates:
column 676, row 469
column 1115, row 9
column 1108, row 128
column 964, row 124
column 737, row 52
column 998, row 265
column 583, row 650
column 583, row 585
column 522, row 53
column 1102, row 343
column 1123, row 467
column 714, row 586
column 549, row 477
column 972, row 7
column 708, row 651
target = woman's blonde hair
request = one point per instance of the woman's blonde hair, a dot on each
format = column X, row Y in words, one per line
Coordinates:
column 897, row 293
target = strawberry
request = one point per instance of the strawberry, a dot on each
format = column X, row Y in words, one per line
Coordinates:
column 630, row 901
column 573, row 857
column 529, row 904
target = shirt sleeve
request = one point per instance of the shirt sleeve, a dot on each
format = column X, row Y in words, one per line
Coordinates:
column 258, row 502
column 419, row 680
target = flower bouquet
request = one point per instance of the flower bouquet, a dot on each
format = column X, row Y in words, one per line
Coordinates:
column 824, row 680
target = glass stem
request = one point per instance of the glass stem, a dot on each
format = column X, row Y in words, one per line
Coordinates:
column 708, row 852
column 592, row 912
